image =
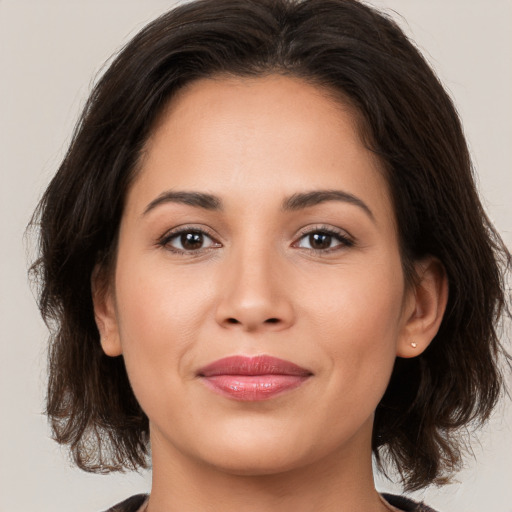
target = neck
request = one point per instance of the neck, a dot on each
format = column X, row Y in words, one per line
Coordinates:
column 339, row 482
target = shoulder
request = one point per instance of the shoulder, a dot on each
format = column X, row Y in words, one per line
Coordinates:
column 406, row 504
column 130, row 505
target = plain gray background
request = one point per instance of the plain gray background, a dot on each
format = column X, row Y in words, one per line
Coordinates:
column 50, row 51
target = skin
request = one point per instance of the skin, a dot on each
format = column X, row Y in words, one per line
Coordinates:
column 255, row 286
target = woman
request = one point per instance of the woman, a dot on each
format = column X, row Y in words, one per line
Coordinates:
column 265, row 255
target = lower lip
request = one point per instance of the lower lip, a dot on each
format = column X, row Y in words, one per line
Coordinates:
column 253, row 388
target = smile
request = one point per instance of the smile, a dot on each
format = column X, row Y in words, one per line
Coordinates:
column 252, row 379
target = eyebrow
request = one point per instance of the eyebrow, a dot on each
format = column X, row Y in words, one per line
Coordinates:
column 295, row 202
column 197, row 199
column 316, row 197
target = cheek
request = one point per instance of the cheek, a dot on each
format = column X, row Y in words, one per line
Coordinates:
column 357, row 321
column 160, row 314
column 365, row 301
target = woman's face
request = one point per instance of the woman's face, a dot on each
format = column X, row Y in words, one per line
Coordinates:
column 259, row 225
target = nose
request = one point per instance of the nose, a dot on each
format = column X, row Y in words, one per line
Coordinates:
column 254, row 294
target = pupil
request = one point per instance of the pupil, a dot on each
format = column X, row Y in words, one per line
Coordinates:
column 320, row 241
column 192, row 241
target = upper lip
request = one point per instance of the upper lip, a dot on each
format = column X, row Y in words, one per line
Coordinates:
column 252, row 365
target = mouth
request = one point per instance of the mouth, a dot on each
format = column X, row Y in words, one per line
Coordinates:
column 253, row 379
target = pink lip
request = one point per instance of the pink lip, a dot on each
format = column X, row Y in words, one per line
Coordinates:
column 252, row 378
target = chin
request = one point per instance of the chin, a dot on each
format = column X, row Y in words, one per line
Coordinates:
column 260, row 455
column 253, row 465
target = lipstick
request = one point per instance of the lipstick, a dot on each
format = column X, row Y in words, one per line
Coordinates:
column 252, row 379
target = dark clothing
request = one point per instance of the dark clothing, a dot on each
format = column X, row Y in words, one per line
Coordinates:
column 406, row 504
column 133, row 504
column 130, row 505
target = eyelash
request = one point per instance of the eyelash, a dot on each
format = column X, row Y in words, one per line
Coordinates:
column 345, row 240
column 166, row 239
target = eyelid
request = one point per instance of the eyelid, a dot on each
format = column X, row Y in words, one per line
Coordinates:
column 346, row 239
column 163, row 241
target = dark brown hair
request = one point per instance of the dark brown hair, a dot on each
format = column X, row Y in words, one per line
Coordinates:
column 407, row 119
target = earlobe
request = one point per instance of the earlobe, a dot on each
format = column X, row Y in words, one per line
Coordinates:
column 425, row 309
column 105, row 314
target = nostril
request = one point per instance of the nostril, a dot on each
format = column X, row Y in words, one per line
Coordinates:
column 234, row 321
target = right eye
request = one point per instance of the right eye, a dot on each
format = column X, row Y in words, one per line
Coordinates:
column 188, row 241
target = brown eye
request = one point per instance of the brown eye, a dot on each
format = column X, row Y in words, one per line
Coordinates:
column 323, row 241
column 191, row 241
column 188, row 241
column 319, row 241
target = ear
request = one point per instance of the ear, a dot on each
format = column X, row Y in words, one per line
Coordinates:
column 424, row 308
column 103, row 298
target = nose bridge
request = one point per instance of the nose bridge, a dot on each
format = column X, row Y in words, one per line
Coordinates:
column 252, row 294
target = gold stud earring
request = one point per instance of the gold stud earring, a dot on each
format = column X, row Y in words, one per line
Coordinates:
column 414, row 344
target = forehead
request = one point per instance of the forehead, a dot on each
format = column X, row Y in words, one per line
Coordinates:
column 272, row 110
column 262, row 136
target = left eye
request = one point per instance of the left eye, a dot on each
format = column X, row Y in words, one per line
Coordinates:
column 189, row 241
column 322, row 241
